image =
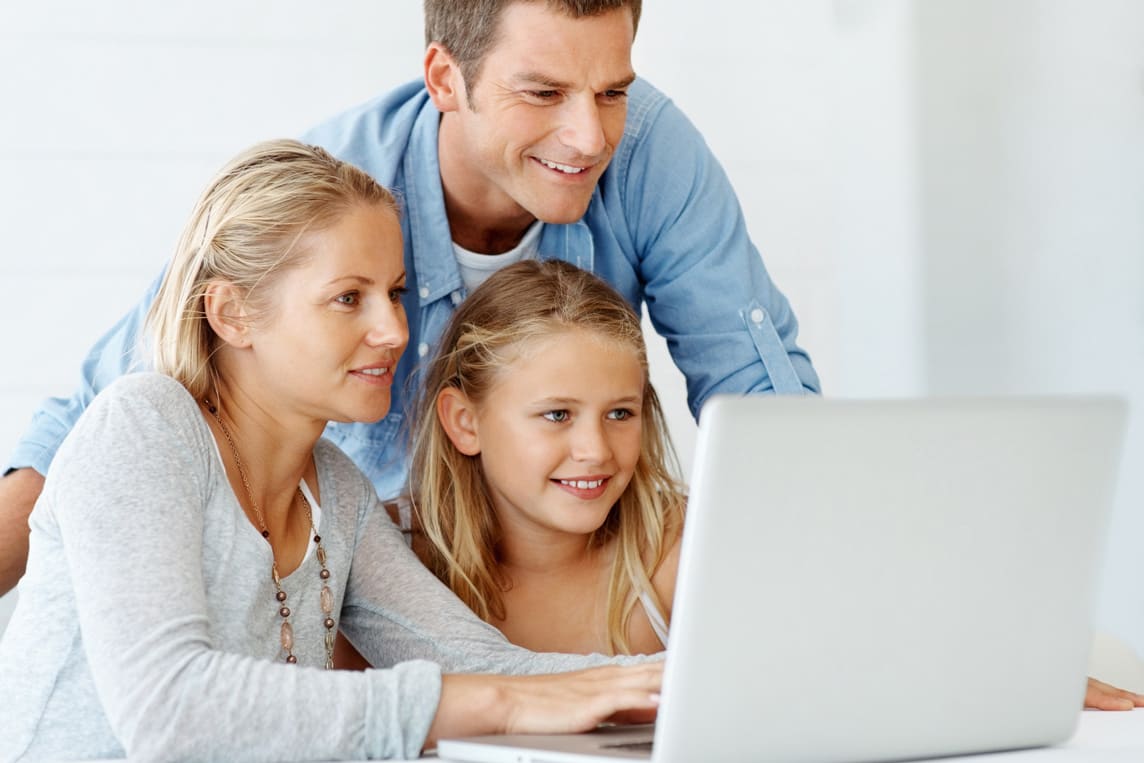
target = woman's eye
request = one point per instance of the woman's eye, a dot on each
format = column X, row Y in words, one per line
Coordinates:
column 621, row 414
column 556, row 416
column 349, row 298
column 395, row 295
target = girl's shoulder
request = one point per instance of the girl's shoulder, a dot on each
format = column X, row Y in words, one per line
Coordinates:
column 663, row 577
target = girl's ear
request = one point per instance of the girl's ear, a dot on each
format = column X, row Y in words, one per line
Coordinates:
column 458, row 418
column 443, row 78
column 226, row 313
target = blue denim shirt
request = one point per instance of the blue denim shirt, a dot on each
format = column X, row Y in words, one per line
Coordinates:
column 663, row 226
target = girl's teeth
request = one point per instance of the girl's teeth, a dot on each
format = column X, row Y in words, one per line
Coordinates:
column 583, row 484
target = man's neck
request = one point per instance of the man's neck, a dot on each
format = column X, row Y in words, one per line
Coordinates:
column 482, row 219
column 480, row 236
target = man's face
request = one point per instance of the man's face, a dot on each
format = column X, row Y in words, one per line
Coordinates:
column 542, row 119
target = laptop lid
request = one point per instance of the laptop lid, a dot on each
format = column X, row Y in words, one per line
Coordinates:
column 879, row 580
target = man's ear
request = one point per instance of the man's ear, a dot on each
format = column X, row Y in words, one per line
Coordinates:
column 458, row 417
column 226, row 313
column 443, row 78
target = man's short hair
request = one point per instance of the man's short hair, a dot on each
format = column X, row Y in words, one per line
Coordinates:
column 468, row 28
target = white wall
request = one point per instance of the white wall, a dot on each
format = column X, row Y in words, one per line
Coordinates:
column 1031, row 134
column 949, row 191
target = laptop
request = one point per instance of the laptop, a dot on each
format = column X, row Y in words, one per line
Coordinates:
column 874, row 580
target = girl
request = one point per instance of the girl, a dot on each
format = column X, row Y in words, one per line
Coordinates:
column 197, row 543
column 539, row 477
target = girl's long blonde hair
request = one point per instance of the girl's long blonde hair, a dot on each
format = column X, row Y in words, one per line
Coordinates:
column 245, row 229
column 523, row 302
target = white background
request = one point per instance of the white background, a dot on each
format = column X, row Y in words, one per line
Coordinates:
column 951, row 192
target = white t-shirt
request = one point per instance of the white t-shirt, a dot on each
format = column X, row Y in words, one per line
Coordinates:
column 476, row 268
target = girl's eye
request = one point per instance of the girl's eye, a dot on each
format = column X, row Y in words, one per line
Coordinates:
column 350, row 298
column 621, row 414
column 395, row 295
column 556, row 417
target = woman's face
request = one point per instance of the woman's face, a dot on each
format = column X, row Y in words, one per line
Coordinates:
column 336, row 326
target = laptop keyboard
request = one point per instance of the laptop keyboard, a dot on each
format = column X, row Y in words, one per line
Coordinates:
column 644, row 746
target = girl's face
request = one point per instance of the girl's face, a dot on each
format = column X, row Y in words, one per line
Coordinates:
column 336, row 326
column 559, row 433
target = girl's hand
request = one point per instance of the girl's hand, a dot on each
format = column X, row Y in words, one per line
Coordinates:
column 1102, row 696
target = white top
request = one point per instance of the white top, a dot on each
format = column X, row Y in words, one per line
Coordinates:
column 476, row 268
column 655, row 617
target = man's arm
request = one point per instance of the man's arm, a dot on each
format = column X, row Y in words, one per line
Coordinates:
column 728, row 326
column 18, row 493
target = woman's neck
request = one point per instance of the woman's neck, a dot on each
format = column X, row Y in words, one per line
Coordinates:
column 274, row 454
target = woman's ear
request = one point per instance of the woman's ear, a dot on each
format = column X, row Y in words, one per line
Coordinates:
column 443, row 78
column 458, row 418
column 226, row 313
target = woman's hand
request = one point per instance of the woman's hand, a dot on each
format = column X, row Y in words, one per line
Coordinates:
column 548, row 704
column 1102, row 696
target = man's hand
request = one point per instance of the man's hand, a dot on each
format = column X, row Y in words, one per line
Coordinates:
column 18, row 494
column 1102, row 696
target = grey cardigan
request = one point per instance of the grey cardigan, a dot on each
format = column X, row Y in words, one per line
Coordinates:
column 147, row 625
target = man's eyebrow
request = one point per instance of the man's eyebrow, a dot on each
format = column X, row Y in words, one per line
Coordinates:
column 548, row 83
column 536, row 78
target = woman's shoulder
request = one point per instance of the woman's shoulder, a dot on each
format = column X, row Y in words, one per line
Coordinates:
column 145, row 386
column 140, row 395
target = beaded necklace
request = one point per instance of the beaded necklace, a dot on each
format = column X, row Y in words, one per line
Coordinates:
column 286, row 632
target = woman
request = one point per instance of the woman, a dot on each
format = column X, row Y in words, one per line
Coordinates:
column 197, row 545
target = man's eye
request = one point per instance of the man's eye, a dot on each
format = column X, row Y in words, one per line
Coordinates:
column 544, row 95
column 556, row 416
column 615, row 95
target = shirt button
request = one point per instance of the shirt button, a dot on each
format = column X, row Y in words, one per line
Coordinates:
column 424, row 292
column 456, row 297
column 757, row 316
column 422, row 350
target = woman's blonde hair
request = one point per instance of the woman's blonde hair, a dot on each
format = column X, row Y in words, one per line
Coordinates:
column 245, row 229
column 523, row 302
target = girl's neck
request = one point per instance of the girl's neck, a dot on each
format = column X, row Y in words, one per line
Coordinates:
column 537, row 552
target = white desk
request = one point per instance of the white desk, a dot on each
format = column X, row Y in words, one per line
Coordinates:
column 1100, row 736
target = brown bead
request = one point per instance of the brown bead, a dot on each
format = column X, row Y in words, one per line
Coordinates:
column 285, row 611
column 281, row 596
column 291, row 659
column 324, row 574
column 317, row 538
column 328, row 622
column 322, row 555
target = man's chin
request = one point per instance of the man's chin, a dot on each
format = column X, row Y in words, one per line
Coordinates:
column 560, row 215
